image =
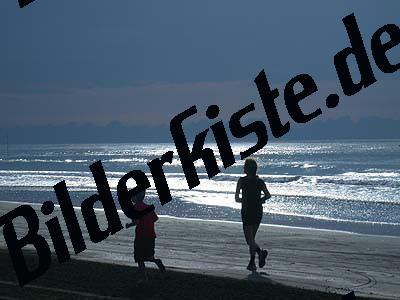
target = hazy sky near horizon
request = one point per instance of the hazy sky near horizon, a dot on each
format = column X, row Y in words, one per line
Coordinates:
column 144, row 62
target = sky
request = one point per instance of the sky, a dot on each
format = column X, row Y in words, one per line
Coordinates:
column 143, row 62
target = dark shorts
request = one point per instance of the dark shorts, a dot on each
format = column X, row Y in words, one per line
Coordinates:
column 252, row 217
column 143, row 249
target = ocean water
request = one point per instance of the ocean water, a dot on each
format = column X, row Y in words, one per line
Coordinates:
column 343, row 185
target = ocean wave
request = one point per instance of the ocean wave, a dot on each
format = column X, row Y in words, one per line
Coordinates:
column 359, row 182
column 123, row 160
column 266, row 178
column 25, row 160
column 384, row 179
column 38, row 160
column 379, row 179
column 307, row 166
column 76, row 160
column 371, row 174
column 293, row 164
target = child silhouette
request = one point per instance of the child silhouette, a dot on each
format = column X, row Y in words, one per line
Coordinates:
column 144, row 236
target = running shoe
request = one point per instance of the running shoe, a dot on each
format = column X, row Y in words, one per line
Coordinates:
column 261, row 258
column 251, row 266
column 160, row 265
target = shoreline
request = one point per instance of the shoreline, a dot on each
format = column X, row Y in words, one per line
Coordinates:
column 313, row 259
column 372, row 224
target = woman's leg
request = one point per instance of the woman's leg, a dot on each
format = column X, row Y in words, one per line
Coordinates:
column 255, row 229
column 249, row 236
column 262, row 254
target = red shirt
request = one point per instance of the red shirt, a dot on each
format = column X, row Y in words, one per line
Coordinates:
column 145, row 225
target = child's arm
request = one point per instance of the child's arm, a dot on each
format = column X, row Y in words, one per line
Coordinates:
column 155, row 217
column 128, row 225
column 131, row 224
column 238, row 188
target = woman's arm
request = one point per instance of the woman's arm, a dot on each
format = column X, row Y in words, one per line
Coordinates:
column 238, row 188
column 267, row 195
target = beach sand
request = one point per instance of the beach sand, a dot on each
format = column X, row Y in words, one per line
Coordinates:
column 328, row 261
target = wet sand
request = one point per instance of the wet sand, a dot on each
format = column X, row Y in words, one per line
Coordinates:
column 328, row 261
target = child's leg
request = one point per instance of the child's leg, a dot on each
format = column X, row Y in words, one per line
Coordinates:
column 142, row 269
column 158, row 262
column 142, row 266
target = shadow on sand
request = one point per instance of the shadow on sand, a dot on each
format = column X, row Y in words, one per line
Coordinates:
column 259, row 276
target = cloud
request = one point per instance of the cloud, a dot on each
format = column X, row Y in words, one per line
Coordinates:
column 157, row 102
